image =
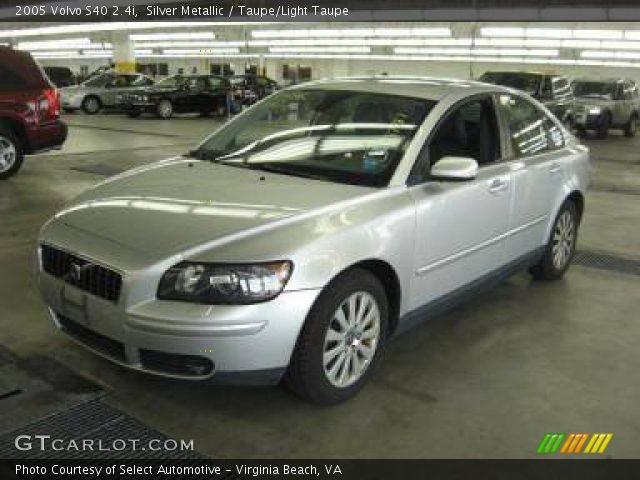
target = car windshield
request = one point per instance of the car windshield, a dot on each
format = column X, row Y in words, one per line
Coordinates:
column 594, row 89
column 340, row 136
column 99, row 81
column 172, row 82
column 526, row 82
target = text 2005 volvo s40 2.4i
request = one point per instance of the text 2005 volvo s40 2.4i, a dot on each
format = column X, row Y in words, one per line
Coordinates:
column 294, row 241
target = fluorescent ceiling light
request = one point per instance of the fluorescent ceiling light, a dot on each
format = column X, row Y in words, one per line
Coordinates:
column 57, row 53
column 479, row 51
column 608, row 54
column 44, row 44
column 144, row 51
column 632, row 34
column 202, row 51
column 196, row 54
column 354, row 32
column 99, row 27
column 192, row 44
column 502, row 32
column 97, row 52
column 320, row 49
column 548, row 33
column 514, row 42
column 600, row 34
column 173, row 36
column 622, row 45
column 370, row 42
column 63, row 46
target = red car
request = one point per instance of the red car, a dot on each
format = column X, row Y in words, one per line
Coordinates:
column 29, row 111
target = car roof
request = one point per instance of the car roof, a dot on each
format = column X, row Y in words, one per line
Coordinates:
column 430, row 88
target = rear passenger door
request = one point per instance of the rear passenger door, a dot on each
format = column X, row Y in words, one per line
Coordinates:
column 534, row 149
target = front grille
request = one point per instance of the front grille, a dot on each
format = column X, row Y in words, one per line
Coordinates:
column 174, row 364
column 107, row 346
column 81, row 273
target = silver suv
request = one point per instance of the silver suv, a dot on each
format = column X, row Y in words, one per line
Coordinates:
column 294, row 241
column 605, row 104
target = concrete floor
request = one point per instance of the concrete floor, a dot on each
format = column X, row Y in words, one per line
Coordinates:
column 486, row 380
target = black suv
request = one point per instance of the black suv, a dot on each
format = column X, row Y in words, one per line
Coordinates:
column 202, row 94
column 249, row 88
column 554, row 91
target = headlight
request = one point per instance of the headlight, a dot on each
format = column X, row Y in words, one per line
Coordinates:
column 224, row 283
column 595, row 110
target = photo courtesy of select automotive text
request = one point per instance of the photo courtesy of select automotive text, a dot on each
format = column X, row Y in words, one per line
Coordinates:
column 300, row 239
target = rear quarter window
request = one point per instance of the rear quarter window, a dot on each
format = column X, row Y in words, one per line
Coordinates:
column 10, row 79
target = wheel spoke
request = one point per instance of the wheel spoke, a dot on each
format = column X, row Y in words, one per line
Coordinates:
column 334, row 336
column 329, row 355
column 370, row 334
column 332, row 373
column 340, row 317
column 367, row 352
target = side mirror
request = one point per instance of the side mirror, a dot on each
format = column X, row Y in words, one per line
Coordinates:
column 455, row 169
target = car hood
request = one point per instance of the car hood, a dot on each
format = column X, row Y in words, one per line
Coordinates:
column 172, row 205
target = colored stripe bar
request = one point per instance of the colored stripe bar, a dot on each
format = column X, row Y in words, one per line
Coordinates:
column 543, row 443
column 605, row 442
column 591, row 442
column 555, row 447
column 581, row 443
column 567, row 443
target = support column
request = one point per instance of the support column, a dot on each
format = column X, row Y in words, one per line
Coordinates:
column 124, row 53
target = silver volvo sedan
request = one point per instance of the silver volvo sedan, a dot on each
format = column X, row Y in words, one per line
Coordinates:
column 299, row 237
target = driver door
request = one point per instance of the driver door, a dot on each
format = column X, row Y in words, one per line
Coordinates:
column 460, row 225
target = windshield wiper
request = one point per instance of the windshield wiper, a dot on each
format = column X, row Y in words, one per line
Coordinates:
column 208, row 155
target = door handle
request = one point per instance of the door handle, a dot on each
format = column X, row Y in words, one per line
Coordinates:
column 498, row 185
column 555, row 167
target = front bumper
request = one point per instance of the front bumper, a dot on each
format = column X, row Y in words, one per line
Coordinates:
column 247, row 344
column 584, row 119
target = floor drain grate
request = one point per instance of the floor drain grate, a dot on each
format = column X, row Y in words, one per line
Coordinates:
column 604, row 261
column 101, row 424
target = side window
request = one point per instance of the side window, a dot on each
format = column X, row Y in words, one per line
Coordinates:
column 469, row 130
column 531, row 131
column 9, row 79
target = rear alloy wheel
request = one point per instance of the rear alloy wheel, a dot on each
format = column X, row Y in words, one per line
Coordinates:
column 164, row 109
column 91, row 105
column 561, row 246
column 632, row 127
column 11, row 154
column 342, row 339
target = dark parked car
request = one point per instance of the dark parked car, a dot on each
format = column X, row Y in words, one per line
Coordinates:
column 554, row 91
column 29, row 111
column 204, row 94
column 250, row 88
column 605, row 104
column 61, row 76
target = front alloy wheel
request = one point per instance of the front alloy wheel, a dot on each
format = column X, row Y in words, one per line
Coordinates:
column 351, row 339
column 561, row 246
column 342, row 339
column 165, row 109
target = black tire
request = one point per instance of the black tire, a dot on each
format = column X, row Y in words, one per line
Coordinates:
column 631, row 127
column 134, row 114
column 568, row 123
column 164, row 109
column 602, row 130
column 91, row 105
column 546, row 269
column 306, row 373
column 10, row 141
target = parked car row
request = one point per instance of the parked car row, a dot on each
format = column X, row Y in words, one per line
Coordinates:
column 584, row 104
column 136, row 94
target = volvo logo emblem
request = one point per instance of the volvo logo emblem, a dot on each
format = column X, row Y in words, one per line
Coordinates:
column 76, row 270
